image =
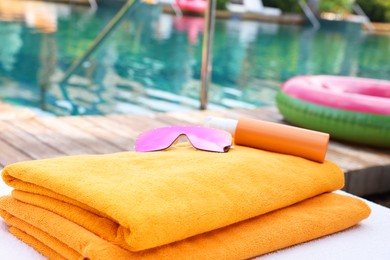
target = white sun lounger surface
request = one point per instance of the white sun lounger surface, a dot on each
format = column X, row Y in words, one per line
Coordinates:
column 253, row 6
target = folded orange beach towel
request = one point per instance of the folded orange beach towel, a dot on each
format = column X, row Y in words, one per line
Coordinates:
column 161, row 197
column 57, row 237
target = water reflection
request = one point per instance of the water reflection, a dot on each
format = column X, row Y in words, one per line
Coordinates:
column 152, row 61
column 9, row 45
column 192, row 25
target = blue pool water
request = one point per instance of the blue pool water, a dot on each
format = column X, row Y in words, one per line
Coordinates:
column 151, row 62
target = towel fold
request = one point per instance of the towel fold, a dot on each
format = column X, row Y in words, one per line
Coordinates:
column 153, row 199
column 54, row 235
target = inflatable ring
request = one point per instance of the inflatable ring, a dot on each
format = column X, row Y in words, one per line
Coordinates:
column 351, row 109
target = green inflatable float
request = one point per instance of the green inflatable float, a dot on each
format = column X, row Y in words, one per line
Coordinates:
column 348, row 108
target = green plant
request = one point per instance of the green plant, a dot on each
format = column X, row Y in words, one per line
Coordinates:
column 336, row 6
column 221, row 4
column 376, row 10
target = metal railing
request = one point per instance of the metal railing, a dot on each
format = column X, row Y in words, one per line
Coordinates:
column 358, row 10
column 98, row 41
column 208, row 37
column 93, row 4
column 309, row 14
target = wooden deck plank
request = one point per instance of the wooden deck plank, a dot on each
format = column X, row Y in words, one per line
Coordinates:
column 362, row 157
column 121, row 142
column 52, row 138
column 122, row 126
column 136, row 122
column 111, row 126
column 8, row 112
column 26, row 142
column 367, row 181
column 10, row 154
column 94, row 144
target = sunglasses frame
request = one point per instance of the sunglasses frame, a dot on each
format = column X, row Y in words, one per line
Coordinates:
column 214, row 140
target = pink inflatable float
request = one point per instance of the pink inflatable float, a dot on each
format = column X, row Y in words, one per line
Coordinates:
column 192, row 5
column 349, row 93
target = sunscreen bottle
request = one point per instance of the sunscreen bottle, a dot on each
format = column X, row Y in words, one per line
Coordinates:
column 275, row 137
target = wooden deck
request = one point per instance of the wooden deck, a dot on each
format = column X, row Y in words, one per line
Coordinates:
column 367, row 170
column 8, row 112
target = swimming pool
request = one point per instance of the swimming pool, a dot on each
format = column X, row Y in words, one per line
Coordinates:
column 151, row 62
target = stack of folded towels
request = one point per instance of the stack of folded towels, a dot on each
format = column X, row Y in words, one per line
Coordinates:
column 175, row 204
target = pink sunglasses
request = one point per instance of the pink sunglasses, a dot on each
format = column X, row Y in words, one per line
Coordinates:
column 201, row 138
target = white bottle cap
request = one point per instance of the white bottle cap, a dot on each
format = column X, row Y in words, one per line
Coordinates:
column 226, row 124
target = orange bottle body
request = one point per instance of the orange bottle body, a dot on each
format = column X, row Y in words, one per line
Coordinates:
column 280, row 138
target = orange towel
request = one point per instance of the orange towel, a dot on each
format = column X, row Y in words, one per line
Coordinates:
column 319, row 216
column 162, row 197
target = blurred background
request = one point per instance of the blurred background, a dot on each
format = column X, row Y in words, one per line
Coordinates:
column 151, row 60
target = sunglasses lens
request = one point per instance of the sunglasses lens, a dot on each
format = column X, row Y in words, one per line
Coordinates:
column 202, row 138
column 155, row 140
column 210, row 139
